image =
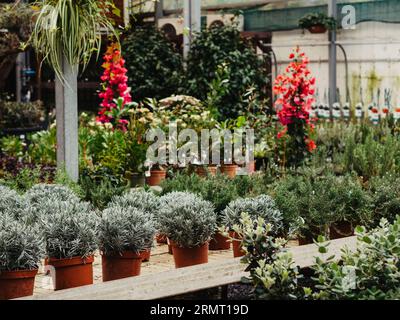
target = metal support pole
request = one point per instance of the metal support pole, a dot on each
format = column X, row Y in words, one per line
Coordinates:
column 159, row 10
column 332, row 12
column 192, row 20
column 19, row 65
column 67, row 121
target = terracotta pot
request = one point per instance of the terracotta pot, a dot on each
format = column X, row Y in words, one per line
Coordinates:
column 16, row 284
column 146, row 255
column 305, row 240
column 236, row 245
column 219, row 242
column 185, row 257
column 340, row 229
column 293, row 243
column 169, row 247
column 161, row 238
column 120, row 266
column 72, row 272
column 205, row 171
column 156, row 177
column 318, row 28
column 229, row 169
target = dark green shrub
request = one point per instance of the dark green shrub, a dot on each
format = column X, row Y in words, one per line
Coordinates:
column 218, row 46
column 154, row 66
column 322, row 201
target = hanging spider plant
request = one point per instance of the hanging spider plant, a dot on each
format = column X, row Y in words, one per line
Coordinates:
column 71, row 30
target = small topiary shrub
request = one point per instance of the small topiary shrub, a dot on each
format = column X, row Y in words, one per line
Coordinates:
column 69, row 229
column 261, row 206
column 186, row 219
column 125, row 229
column 21, row 246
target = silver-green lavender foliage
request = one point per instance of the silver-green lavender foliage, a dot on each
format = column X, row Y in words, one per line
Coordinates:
column 43, row 199
column 40, row 192
column 262, row 206
column 125, row 229
column 21, row 246
column 186, row 219
column 69, row 229
column 11, row 203
column 142, row 200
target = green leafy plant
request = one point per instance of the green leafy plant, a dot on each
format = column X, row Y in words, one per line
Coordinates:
column 125, row 229
column 25, row 178
column 385, row 193
column 12, row 146
column 314, row 19
column 154, row 66
column 21, row 115
column 213, row 48
column 186, row 219
column 69, row 229
column 21, row 246
column 272, row 269
column 370, row 272
column 43, row 147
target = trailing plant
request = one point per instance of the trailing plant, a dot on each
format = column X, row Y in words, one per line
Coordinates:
column 154, row 66
column 70, row 30
column 125, row 229
column 261, row 206
column 21, row 246
column 314, row 19
column 294, row 90
column 186, row 219
column 69, row 229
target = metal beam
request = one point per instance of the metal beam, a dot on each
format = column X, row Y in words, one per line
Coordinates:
column 332, row 12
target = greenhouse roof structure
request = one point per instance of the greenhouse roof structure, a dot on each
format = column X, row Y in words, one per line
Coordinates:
column 275, row 15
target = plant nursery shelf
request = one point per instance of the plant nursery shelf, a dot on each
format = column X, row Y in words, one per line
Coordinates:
column 185, row 280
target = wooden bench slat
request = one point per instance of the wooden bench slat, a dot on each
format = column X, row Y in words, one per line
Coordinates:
column 185, row 280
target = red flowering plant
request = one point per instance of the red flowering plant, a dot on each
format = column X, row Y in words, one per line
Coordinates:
column 115, row 93
column 295, row 95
